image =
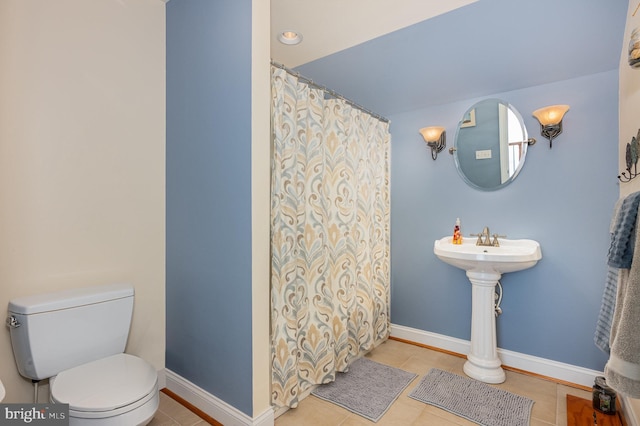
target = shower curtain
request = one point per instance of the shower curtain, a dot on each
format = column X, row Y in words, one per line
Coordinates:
column 329, row 236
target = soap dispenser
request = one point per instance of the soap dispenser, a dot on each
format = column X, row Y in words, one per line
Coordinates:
column 457, row 233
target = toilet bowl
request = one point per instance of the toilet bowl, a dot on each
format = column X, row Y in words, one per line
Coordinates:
column 76, row 339
column 117, row 390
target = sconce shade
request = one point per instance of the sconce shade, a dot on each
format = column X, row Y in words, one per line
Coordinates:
column 436, row 139
column 431, row 134
column 550, row 119
column 551, row 115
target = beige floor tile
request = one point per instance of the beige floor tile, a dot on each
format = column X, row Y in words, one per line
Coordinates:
column 355, row 420
column 161, row 419
column 433, row 416
column 538, row 422
column 169, row 405
column 313, row 411
column 403, row 412
column 178, row 412
column 394, row 353
column 421, row 363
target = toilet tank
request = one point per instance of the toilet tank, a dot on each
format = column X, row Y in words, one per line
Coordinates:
column 53, row 332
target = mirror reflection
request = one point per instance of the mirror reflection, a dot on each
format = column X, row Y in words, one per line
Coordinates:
column 490, row 144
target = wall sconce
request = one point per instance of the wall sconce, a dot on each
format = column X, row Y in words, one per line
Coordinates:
column 550, row 119
column 436, row 139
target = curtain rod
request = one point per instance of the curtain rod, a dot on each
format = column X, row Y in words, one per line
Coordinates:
column 332, row 93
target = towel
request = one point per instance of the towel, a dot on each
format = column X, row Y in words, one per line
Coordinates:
column 623, row 233
column 622, row 371
column 603, row 325
column 605, row 318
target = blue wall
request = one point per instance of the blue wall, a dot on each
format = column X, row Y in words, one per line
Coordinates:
column 562, row 198
column 208, row 264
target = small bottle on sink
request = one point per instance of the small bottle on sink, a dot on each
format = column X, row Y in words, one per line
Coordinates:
column 457, row 233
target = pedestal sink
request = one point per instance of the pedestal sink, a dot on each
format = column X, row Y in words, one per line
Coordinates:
column 485, row 265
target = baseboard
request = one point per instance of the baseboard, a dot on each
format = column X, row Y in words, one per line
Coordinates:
column 213, row 406
column 162, row 379
column 567, row 373
column 631, row 410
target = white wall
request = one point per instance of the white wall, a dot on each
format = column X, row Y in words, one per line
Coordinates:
column 82, row 156
column 629, row 99
column 261, row 205
column 629, row 125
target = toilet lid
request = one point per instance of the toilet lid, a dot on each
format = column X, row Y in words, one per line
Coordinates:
column 105, row 384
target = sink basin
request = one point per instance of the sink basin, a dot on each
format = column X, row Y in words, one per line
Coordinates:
column 511, row 256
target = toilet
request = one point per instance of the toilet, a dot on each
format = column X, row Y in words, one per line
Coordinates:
column 76, row 339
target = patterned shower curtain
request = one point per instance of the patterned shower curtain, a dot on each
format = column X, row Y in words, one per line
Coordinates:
column 330, row 236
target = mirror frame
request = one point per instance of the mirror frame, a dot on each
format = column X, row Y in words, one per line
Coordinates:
column 469, row 120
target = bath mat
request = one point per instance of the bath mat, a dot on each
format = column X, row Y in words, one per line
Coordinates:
column 367, row 389
column 473, row 400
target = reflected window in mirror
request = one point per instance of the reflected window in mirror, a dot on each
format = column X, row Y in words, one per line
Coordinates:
column 516, row 143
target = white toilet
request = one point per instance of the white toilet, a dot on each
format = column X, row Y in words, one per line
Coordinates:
column 76, row 339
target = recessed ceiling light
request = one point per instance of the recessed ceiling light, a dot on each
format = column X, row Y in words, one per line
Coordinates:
column 290, row 37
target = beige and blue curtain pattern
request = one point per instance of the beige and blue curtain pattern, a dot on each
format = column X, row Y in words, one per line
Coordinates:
column 330, row 236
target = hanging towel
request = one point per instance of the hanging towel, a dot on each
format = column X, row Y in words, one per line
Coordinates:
column 622, row 371
column 603, row 324
column 623, row 233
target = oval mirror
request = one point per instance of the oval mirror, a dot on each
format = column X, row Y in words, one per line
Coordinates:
column 490, row 145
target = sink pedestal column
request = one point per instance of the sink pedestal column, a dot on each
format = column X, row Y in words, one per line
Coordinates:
column 483, row 362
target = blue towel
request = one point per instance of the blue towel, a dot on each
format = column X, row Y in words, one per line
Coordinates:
column 622, row 229
column 623, row 235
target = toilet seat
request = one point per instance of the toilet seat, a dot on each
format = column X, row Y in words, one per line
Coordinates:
column 106, row 387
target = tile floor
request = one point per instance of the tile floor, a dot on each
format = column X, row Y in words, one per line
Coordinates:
column 172, row 413
column 549, row 397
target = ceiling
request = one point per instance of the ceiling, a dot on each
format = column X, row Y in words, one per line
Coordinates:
column 333, row 25
column 405, row 55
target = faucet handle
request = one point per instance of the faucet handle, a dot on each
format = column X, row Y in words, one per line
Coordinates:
column 495, row 242
column 479, row 240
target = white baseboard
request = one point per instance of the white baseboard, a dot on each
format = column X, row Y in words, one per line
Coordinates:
column 162, row 379
column 544, row 367
column 213, row 406
column 631, row 410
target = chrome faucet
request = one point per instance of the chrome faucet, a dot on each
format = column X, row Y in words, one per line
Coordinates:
column 484, row 239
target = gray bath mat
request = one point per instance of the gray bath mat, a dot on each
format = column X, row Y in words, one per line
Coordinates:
column 473, row 400
column 367, row 389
